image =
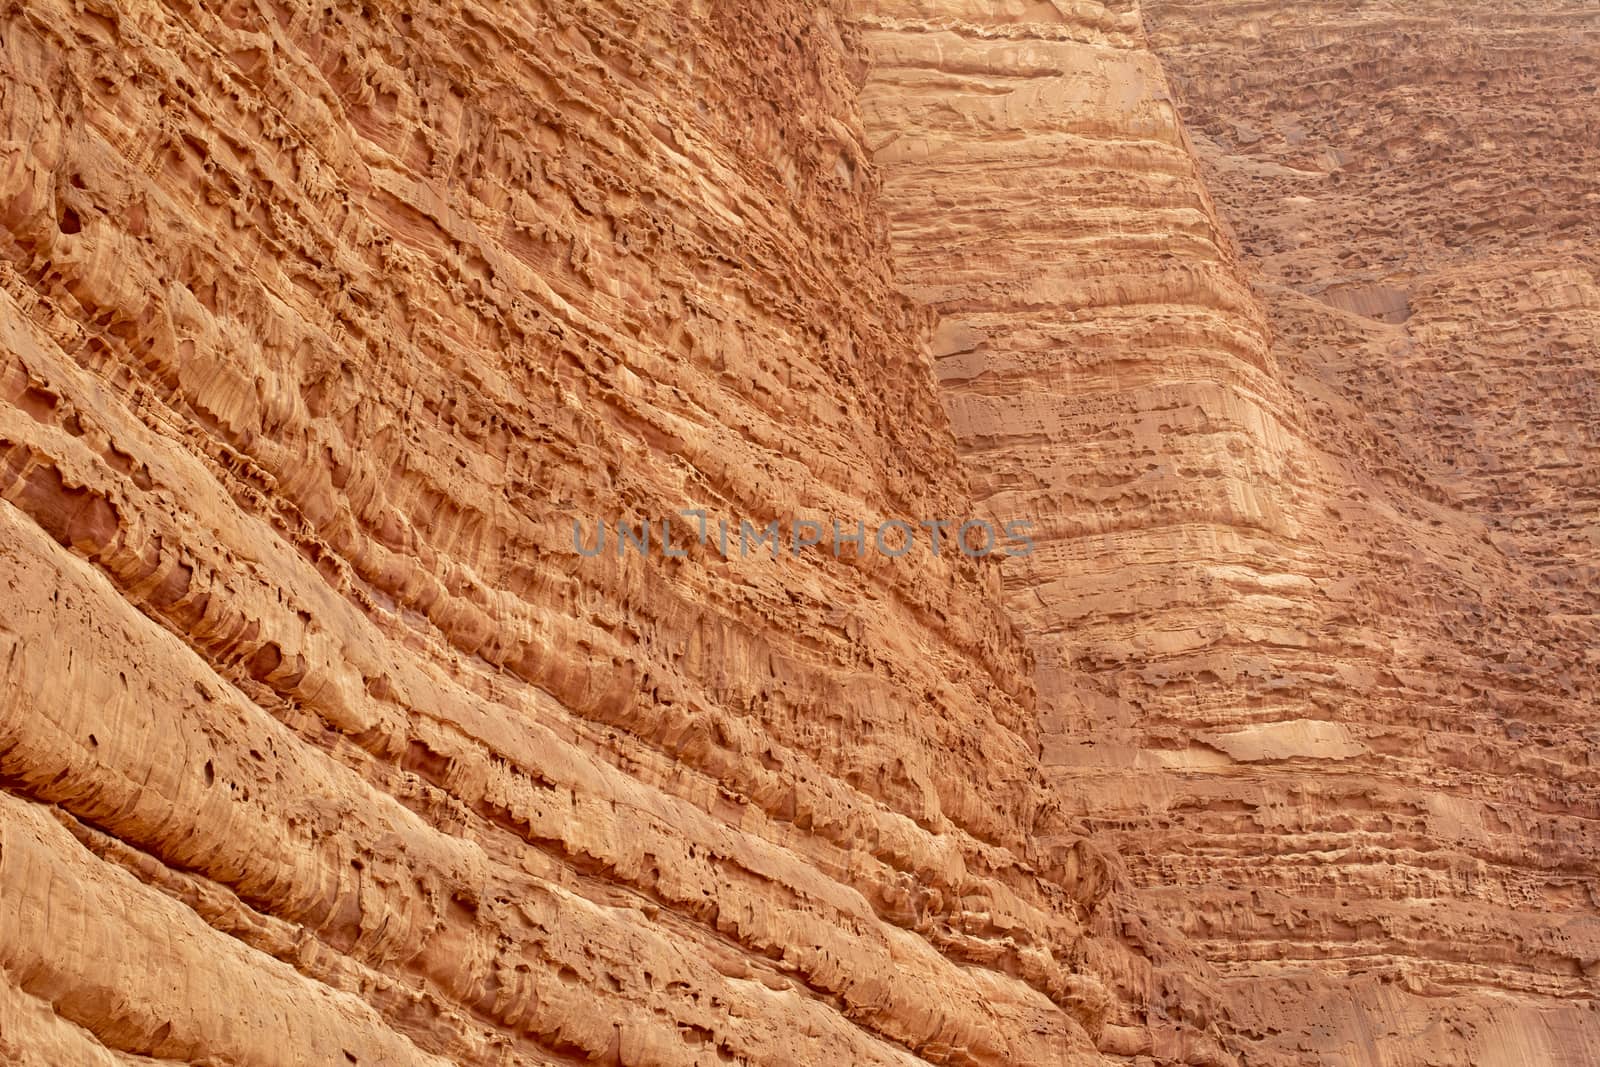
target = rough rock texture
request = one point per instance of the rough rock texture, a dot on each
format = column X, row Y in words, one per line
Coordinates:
column 1315, row 617
column 320, row 744
column 321, row 323
column 1417, row 189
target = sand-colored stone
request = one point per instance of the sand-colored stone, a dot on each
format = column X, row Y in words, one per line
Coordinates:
column 320, row 743
column 1315, row 615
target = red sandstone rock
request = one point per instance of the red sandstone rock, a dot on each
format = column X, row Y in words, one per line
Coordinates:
column 1314, row 612
column 320, row 742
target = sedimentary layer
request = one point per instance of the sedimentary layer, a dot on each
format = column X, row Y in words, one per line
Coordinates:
column 1325, row 686
column 1414, row 187
column 320, row 741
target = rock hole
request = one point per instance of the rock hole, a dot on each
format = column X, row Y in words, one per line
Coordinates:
column 211, row 773
column 70, row 223
column 94, row 741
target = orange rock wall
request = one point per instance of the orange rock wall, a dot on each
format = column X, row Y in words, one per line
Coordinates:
column 1314, row 611
column 322, row 324
column 319, row 742
column 1414, row 187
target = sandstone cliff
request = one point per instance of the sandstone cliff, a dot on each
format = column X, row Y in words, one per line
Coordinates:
column 320, row 742
column 1315, row 619
column 1414, row 187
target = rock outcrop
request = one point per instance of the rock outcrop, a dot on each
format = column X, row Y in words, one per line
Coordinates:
column 326, row 327
column 1315, row 606
column 320, row 741
column 1414, row 187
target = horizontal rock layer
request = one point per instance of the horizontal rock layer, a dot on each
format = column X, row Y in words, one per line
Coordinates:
column 1314, row 609
column 320, row 741
column 323, row 324
column 1414, row 186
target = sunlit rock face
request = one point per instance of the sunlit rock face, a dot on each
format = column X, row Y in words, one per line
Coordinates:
column 323, row 741
column 320, row 742
column 1314, row 613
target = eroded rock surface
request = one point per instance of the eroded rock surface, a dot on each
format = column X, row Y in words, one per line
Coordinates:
column 320, row 742
column 1314, row 615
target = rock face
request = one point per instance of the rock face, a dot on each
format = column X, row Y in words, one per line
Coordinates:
column 1424, row 239
column 1315, row 608
column 322, row 741
column 1107, row 371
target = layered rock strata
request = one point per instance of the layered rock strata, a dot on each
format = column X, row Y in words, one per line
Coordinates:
column 1331, row 698
column 320, row 741
column 1415, row 189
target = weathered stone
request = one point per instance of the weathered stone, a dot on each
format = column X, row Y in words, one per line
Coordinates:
column 322, row 742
